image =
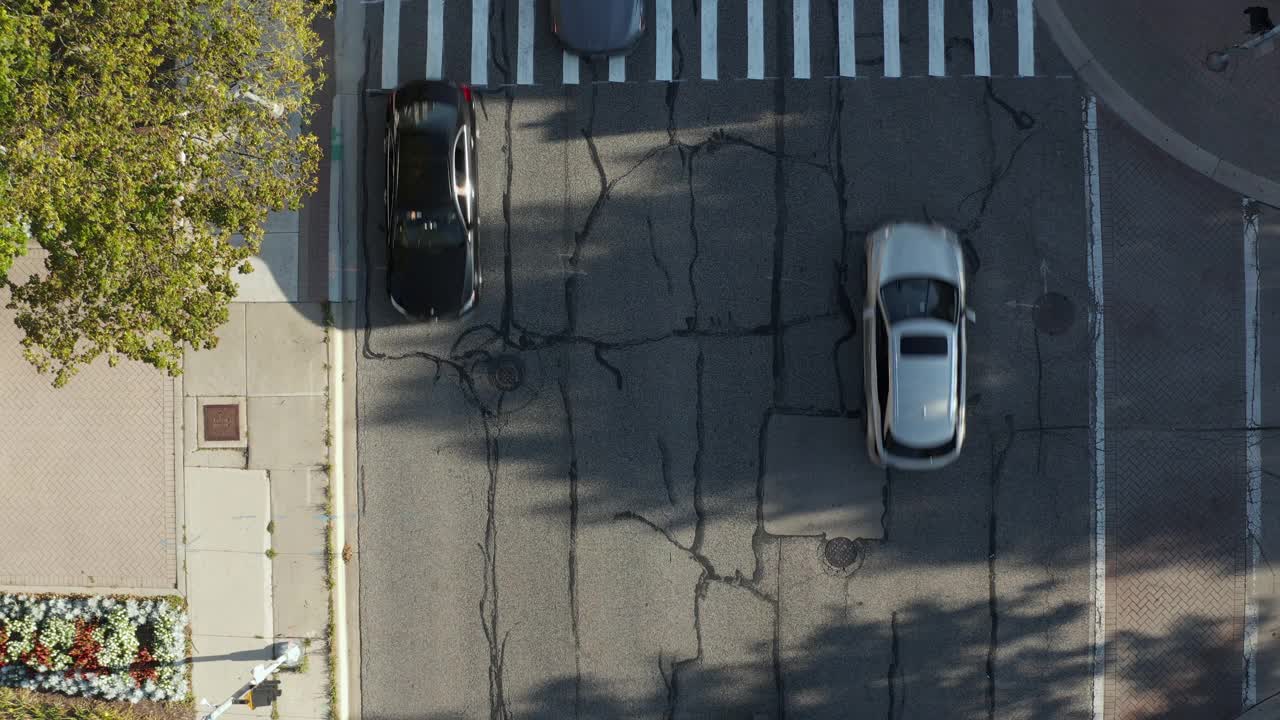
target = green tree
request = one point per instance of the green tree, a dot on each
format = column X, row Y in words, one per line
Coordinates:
column 138, row 137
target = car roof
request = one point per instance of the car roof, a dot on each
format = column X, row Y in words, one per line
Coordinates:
column 924, row 407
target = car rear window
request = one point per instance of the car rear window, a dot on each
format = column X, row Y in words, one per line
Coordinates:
column 923, row 345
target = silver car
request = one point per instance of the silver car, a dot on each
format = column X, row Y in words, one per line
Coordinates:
column 913, row 339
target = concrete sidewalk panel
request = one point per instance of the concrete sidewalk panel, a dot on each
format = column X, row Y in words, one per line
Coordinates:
column 275, row 271
column 286, row 349
column 305, row 696
column 297, row 508
column 228, row 510
column 817, row 479
column 287, row 432
column 230, row 593
column 221, row 370
column 221, row 666
column 301, row 597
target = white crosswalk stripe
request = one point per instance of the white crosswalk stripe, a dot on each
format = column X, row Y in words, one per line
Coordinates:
column 892, row 46
column 480, row 42
column 848, row 38
column 662, row 39
column 524, row 51
column 1026, row 38
column 435, row 39
column 937, row 39
column 981, row 39
column 800, row 38
column 390, row 43
column 807, row 32
column 755, row 39
column 710, row 64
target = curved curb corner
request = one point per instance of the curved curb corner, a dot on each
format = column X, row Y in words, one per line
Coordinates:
column 1119, row 101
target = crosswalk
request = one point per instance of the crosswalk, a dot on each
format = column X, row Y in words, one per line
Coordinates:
column 826, row 38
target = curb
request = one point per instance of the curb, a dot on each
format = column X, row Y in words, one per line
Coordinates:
column 1118, row 100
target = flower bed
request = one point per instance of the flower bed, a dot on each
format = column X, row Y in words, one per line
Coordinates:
column 115, row 648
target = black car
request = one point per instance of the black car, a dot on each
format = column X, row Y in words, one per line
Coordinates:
column 598, row 27
column 432, row 268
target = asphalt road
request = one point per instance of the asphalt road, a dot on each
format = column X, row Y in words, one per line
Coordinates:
column 668, row 263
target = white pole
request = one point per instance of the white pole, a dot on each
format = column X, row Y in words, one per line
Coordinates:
column 292, row 654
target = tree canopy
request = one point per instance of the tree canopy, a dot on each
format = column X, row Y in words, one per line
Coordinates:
column 137, row 139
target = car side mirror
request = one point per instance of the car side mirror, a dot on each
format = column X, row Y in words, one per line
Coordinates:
column 971, row 316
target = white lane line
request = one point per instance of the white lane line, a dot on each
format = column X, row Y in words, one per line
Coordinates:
column 981, row 39
column 937, row 40
column 848, row 45
column 435, row 39
column 618, row 68
column 524, row 44
column 480, row 42
column 892, row 49
column 800, row 38
column 662, row 36
column 1026, row 38
column 755, row 39
column 710, row 11
column 1253, row 452
column 1097, row 422
column 390, row 43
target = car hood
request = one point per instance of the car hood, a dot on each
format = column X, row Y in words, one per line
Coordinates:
column 924, row 409
column 597, row 27
column 916, row 250
column 425, row 284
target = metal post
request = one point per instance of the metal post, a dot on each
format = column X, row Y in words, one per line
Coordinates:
column 292, row 655
column 1218, row 60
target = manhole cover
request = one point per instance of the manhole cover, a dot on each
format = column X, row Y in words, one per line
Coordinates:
column 840, row 552
column 1053, row 313
column 221, row 423
column 506, row 372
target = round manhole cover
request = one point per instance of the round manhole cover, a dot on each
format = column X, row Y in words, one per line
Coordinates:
column 840, row 553
column 506, row 372
column 1053, row 313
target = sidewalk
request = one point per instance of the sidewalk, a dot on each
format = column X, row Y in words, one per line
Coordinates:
column 255, row 471
column 1145, row 61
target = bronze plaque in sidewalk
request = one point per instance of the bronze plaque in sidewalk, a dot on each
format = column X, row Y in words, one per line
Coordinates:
column 221, row 423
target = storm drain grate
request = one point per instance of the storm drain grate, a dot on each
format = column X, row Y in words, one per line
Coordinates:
column 506, row 372
column 840, row 552
column 221, row 423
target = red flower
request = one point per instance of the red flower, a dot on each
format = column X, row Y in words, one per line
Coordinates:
column 38, row 655
column 4, row 646
column 143, row 667
column 84, row 652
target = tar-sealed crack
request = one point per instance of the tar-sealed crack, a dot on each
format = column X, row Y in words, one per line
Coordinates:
column 840, row 183
column 893, row 676
column 657, row 259
column 1025, row 122
column 699, row 509
column 779, row 231
column 489, row 618
column 886, row 500
column 573, row 550
column 998, row 457
column 665, row 455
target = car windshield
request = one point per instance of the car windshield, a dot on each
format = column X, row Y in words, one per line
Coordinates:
column 429, row 233
column 910, row 298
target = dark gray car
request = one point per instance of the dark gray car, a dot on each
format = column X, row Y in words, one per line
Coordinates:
column 598, row 27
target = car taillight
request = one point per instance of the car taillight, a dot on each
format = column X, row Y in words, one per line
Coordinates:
column 466, row 92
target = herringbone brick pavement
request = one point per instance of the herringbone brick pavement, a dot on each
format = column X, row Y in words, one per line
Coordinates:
column 1175, row 447
column 86, row 472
